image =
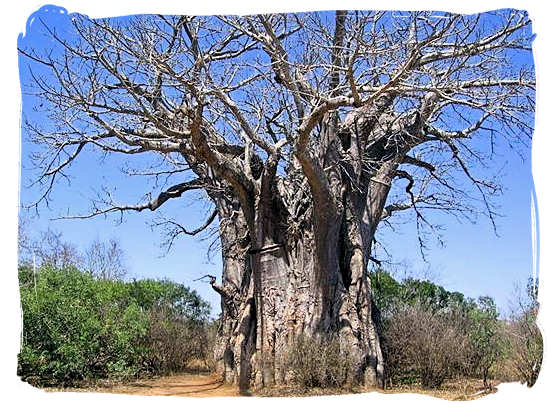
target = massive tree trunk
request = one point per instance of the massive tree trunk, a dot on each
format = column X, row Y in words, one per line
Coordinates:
column 285, row 276
column 296, row 251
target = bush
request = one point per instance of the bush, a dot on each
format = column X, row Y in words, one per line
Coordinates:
column 174, row 342
column 316, row 362
column 484, row 339
column 420, row 343
column 524, row 340
column 430, row 334
column 74, row 328
column 77, row 328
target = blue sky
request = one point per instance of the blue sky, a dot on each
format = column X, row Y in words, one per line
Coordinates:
column 475, row 261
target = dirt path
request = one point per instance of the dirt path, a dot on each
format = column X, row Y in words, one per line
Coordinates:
column 209, row 385
column 185, row 385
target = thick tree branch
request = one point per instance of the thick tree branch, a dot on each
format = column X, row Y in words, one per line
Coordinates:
column 175, row 191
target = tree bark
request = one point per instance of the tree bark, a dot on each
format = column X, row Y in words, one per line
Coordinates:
column 291, row 278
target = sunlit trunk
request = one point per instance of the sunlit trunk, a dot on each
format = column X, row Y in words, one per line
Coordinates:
column 291, row 279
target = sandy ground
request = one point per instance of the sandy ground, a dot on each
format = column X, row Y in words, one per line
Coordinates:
column 184, row 385
column 209, row 385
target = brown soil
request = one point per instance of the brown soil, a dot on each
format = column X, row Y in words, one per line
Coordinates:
column 184, row 384
column 210, row 385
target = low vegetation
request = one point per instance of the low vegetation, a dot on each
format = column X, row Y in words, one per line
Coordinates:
column 79, row 328
column 524, row 346
column 313, row 362
column 430, row 335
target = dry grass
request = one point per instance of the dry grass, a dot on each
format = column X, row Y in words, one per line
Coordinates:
column 453, row 390
column 301, row 391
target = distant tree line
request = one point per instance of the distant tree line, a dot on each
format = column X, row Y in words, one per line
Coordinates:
column 101, row 259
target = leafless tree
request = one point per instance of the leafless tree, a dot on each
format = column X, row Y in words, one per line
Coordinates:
column 50, row 249
column 105, row 260
column 523, row 336
column 47, row 248
column 296, row 127
column 24, row 250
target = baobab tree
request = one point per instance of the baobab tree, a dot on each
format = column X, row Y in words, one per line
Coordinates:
column 306, row 132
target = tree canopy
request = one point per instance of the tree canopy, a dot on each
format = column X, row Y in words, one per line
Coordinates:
column 241, row 95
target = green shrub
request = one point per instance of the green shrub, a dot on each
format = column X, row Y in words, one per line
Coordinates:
column 484, row 339
column 77, row 328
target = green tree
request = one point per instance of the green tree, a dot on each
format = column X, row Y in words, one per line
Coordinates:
column 484, row 337
column 386, row 291
column 388, row 294
column 182, row 302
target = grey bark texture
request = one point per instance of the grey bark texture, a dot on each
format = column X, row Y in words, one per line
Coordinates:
column 303, row 270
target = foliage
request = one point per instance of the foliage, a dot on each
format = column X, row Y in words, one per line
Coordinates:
column 76, row 327
column 433, row 296
column 386, row 292
column 430, row 334
column 180, row 301
column 485, row 340
column 389, row 294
